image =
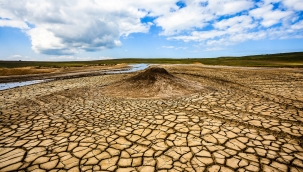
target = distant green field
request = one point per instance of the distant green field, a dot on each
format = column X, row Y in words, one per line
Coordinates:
column 270, row 60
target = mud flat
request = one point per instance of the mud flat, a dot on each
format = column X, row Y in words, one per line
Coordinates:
column 194, row 119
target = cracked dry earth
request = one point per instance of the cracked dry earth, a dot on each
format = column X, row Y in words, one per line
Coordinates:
column 243, row 120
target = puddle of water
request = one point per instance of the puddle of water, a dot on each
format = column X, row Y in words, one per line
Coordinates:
column 134, row 68
column 137, row 67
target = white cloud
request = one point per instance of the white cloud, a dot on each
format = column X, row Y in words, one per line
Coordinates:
column 44, row 41
column 298, row 25
column 222, row 38
column 175, row 48
column 269, row 17
column 184, row 19
column 214, row 49
column 65, row 27
column 12, row 23
column 266, row 2
column 228, row 7
column 195, row 16
column 199, row 36
column 294, row 4
column 168, row 47
column 153, row 7
column 235, row 24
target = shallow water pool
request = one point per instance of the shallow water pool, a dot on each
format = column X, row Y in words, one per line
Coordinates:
column 5, row 86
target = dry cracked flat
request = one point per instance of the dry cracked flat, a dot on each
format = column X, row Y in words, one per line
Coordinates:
column 240, row 120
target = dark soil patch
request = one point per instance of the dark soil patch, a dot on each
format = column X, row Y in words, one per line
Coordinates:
column 151, row 75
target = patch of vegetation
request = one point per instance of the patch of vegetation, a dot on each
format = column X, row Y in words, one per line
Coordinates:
column 267, row 60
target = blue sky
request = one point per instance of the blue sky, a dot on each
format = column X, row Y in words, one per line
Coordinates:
column 99, row 29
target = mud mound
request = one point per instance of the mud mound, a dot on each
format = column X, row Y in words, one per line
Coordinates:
column 153, row 82
column 150, row 76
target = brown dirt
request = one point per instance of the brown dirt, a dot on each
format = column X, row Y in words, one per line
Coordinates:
column 198, row 63
column 24, row 71
column 154, row 82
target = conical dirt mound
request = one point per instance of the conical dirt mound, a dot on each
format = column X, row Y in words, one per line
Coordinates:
column 150, row 76
column 153, row 82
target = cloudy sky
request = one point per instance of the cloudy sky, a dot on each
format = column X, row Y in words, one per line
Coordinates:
column 101, row 29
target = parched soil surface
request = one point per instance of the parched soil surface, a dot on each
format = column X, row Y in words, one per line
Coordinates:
column 243, row 119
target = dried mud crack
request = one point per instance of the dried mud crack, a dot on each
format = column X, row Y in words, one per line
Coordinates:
column 175, row 118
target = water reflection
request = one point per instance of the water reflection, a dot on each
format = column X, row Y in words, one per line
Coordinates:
column 134, row 68
column 5, row 86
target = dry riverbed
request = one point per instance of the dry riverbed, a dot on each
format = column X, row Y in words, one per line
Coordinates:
column 33, row 73
column 240, row 119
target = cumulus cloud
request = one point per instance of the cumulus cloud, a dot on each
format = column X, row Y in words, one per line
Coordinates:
column 68, row 27
column 12, row 23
